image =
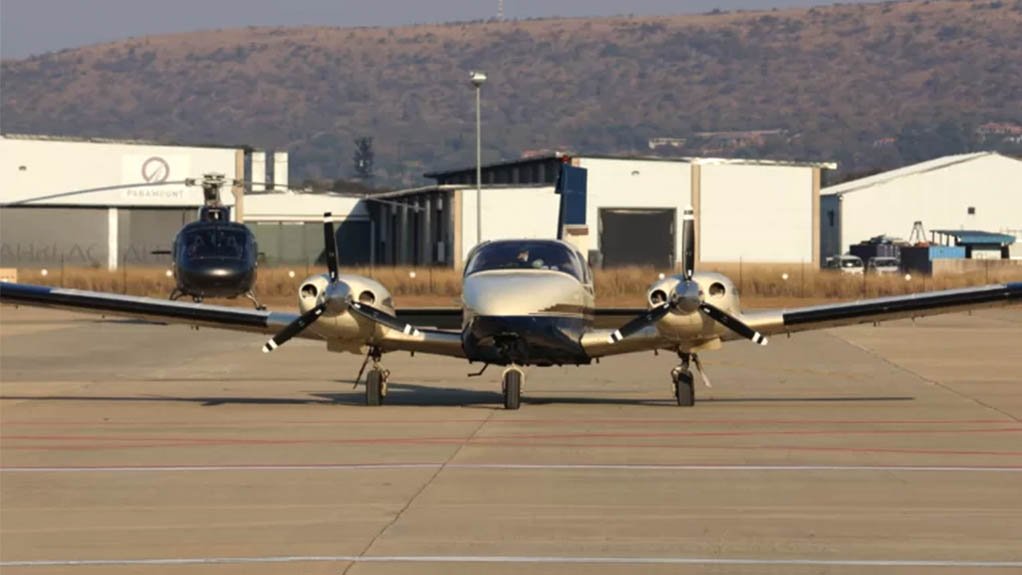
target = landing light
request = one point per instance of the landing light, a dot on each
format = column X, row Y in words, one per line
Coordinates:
column 784, row 276
column 45, row 272
column 168, row 273
column 291, row 273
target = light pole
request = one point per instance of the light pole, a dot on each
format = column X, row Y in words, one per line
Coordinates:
column 478, row 79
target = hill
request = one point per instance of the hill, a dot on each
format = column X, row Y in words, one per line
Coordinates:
column 869, row 85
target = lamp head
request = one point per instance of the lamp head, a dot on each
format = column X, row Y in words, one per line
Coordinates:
column 477, row 78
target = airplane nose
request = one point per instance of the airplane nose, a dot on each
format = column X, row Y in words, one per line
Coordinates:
column 515, row 293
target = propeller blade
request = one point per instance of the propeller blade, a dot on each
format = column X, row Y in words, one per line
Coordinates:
column 688, row 231
column 734, row 324
column 294, row 328
column 330, row 243
column 638, row 324
column 382, row 318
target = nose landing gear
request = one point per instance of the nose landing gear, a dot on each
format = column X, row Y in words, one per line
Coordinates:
column 681, row 376
column 511, row 384
column 376, row 379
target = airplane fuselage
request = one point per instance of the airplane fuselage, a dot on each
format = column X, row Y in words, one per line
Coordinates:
column 531, row 310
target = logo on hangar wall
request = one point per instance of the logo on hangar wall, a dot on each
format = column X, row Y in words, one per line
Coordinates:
column 155, row 170
column 149, row 181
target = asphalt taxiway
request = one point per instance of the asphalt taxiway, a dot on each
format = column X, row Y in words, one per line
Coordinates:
column 128, row 448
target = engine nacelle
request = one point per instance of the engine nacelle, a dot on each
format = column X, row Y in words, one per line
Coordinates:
column 344, row 330
column 714, row 288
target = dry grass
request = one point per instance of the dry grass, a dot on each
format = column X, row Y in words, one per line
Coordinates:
column 759, row 285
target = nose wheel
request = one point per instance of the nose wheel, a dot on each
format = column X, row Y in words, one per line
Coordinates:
column 376, row 379
column 684, row 388
column 376, row 386
column 511, row 383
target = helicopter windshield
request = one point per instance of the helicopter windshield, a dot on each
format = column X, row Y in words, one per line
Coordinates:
column 527, row 255
column 214, row 243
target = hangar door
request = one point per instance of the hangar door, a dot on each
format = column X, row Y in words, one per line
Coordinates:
column 637, row 237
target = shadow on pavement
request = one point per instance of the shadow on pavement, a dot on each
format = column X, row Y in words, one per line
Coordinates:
column 404, row 394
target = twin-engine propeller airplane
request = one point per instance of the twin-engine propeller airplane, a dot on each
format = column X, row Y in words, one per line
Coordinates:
column 525, row 303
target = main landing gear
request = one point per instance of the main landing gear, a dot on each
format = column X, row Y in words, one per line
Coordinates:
column 511, row 383
column 376, row 379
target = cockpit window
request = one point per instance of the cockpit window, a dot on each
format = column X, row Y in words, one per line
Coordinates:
column 214, row 243
column 520, row 255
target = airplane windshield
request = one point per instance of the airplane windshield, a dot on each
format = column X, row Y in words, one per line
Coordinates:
column 214, row 243
column 524, row 256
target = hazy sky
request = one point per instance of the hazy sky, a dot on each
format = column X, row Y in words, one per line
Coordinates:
column 30, row 27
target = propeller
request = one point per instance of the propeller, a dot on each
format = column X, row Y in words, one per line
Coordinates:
column 655, row 314
column 336, row 298
column 731, row 322
column 686, row 297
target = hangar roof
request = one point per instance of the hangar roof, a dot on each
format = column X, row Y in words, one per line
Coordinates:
column 920, row 168
column 561, row 155
column 132, row 142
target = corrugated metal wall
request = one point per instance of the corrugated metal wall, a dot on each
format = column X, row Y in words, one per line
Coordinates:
column 140, row 231
column 44, row 237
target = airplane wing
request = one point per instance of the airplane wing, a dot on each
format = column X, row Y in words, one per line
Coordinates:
column 881, row 309
column 157, row 310
column 424, row 340
column 435, row 317
column 645, row 336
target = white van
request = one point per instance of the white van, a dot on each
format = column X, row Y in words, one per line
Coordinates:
column 847, row 264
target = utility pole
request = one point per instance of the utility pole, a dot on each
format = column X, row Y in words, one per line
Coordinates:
column 478, row 79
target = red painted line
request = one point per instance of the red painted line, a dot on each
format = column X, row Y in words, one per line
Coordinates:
column 753, row 448
column 511, row 443
column 444, row 439
column 511, row 421
column 756, row 433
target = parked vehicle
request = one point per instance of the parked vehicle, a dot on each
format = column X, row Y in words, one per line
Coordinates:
column 883, row 265
column 846, row 263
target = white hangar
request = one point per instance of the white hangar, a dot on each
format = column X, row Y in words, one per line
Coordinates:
column 980, row 191
column 621, row 210
column 134, row 202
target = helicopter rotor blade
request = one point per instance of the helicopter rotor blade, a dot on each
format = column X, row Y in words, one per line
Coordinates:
column 186, row 182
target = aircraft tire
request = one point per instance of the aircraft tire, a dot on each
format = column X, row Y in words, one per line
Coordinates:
column 512, row 389
column 374, row 387
column 684, row 390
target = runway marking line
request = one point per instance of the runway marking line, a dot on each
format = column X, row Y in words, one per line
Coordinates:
column 524, row 559
column 508, row 466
